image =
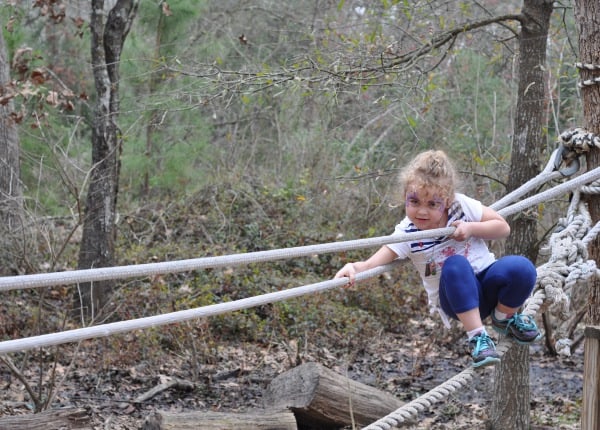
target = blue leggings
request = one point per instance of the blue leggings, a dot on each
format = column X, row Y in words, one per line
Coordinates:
column 509, row 280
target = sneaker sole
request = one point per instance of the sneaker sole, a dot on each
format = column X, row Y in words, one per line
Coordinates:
column 488, row 361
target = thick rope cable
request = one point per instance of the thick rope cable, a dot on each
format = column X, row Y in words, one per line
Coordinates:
column 550, row 173
column 149, row 269
column 104, row 330
column 556, row 191
column 109, row 273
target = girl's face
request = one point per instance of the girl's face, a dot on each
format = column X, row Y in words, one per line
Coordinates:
column 426, row 209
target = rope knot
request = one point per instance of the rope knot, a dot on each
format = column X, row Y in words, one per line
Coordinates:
column 578, row 140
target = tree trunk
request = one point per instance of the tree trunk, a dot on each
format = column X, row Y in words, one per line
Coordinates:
column 99, row 230
column 512, row 375
column 510, row 407
column 587, row 15
column 11, row 197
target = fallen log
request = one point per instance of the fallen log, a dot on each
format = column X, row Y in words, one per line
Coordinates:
column 208, row 420
column 56, row 419
column 322, row 398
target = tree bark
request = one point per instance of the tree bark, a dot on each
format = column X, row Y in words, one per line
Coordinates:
column 512, row 375
column 587, row 15
column 99, row 229
column 11, row 190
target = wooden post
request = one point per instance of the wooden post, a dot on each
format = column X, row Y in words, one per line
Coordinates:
column 587, row 16
column 591, row 384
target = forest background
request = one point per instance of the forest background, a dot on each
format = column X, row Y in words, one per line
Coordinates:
column 239, row 136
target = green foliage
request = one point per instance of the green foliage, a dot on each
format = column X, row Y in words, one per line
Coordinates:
column 473, row 106
column 170, row 158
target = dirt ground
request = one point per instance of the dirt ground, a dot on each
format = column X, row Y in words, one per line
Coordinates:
column 404, row 366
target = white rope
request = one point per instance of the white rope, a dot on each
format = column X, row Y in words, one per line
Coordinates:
column 548, row 174
column 411, row 410
column 149, row 269
column 104, row 330
column 556, row 191
column 28, row 281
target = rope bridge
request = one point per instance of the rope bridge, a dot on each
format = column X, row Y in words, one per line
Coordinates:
column 567, row 266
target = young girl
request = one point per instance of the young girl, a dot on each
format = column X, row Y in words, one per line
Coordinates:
column 462, row 278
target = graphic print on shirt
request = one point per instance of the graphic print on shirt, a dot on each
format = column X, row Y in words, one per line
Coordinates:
column 431, row 250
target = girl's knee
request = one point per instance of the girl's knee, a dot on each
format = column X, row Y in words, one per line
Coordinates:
column 522, row 270
column 456, row 265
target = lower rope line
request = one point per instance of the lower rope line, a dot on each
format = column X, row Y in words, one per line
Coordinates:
column 412, row 409
column 179, row 316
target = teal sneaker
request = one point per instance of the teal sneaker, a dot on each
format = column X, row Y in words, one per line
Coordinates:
column 483, row 350
column 521, row 328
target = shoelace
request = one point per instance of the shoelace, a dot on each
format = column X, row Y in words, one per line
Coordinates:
column 483, row 342
column 522, row 322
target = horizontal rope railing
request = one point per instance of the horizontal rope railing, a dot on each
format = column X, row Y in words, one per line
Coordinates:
column 104, row 330
column 150, row 269
column 553, row 192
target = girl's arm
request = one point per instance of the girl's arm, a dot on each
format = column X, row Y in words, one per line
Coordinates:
column 492, row 226
column 383, row 256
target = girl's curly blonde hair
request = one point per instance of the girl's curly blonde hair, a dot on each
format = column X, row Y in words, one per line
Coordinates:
column 432, row 171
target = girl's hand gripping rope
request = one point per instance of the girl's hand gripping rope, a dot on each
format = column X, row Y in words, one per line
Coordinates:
column 348, row 271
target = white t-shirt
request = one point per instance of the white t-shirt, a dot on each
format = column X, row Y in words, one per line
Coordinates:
column 428, row 255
